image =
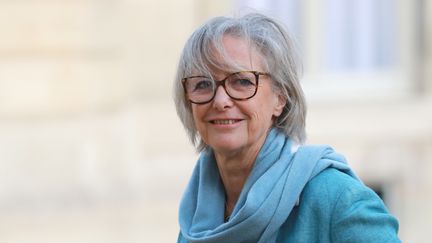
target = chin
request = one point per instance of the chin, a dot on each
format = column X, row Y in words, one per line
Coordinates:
column 226, row 146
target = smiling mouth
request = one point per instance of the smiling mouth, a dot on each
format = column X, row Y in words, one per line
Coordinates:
column 224, row 122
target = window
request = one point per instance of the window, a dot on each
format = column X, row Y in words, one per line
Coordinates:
column 351, row 49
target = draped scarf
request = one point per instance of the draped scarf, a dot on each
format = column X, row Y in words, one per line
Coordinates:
column 270, row 192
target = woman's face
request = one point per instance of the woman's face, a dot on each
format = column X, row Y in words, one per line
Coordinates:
column 231, row 126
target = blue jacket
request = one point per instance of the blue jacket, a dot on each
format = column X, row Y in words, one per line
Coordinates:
column 334, row 207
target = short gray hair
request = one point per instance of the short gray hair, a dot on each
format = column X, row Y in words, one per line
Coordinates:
column 271, row 40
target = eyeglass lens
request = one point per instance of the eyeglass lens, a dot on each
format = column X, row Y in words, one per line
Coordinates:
column 240, row 85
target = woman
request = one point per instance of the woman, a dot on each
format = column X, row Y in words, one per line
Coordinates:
column 237, row 93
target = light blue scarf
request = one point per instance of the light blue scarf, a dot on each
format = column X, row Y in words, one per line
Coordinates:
column 270, row 193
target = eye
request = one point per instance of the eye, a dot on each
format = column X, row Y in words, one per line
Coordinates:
column 202, row 85
column 243, row 82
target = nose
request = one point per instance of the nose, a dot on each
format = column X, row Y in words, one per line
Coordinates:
column 222, row 101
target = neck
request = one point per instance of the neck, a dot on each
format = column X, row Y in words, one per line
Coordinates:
column 234, row 171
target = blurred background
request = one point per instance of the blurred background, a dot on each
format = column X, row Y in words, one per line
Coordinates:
column 91, row 149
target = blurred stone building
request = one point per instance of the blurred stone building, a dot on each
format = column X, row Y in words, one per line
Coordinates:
column 91, row 149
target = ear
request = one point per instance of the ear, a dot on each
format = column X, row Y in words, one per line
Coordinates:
column 280, row 103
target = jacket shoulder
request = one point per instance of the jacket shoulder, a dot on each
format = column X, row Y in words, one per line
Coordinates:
column 353, row 211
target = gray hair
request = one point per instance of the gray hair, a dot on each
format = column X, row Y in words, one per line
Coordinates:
column 270, row 39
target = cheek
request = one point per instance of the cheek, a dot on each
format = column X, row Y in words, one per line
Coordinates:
column 194, row 114
column 198, row 113
column 269, row 103
column 261, row 117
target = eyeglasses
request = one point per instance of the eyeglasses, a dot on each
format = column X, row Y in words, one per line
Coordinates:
column 241, row 85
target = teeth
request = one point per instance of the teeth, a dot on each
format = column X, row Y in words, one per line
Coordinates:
column 224, row 122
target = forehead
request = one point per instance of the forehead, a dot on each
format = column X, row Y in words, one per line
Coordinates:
column 237, row 54
column 240, row 52
column 227, row 55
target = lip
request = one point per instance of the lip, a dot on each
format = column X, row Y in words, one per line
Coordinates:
column 225, row 122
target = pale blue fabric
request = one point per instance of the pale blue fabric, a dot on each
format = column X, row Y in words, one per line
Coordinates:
column 336, row 208
column 269, row 195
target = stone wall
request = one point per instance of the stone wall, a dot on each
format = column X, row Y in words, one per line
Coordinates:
column 92, row 151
